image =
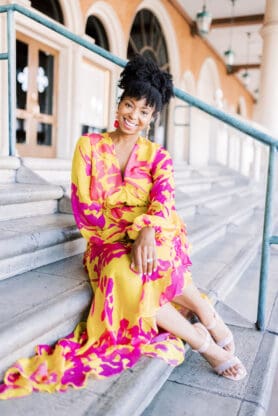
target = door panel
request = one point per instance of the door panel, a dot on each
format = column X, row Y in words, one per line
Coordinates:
column 36, row 98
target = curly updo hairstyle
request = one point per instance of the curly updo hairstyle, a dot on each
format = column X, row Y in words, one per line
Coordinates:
column 142, row 78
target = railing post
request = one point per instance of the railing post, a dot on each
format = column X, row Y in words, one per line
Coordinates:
column 11, row 80
column 266, row 239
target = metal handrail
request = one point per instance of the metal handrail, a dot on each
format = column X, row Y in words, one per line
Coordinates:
column 243, row 126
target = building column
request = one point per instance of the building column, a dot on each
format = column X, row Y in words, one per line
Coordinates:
column 268, row 99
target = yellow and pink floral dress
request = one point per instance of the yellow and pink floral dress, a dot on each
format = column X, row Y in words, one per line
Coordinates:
column 110, row 209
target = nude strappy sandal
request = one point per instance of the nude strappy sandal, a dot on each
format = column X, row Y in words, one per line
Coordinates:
column 241, row 372
column 224, row 342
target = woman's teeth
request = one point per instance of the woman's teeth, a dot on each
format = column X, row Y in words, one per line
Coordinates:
column 129, row 123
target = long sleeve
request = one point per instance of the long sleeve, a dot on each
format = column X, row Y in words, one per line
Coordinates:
column 160, row 211
column 87, row 210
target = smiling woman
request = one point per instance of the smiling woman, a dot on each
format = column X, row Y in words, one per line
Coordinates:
column 134, row 115
column 136, row 258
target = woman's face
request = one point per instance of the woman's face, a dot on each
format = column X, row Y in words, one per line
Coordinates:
column 134, row 115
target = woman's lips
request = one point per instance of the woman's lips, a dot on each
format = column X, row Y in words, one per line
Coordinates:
column 129, row 124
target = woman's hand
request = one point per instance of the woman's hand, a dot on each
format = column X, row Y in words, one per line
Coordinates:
column 143, row 253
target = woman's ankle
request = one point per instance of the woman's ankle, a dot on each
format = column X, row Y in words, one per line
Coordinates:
column 213, row 353
column 205, row 313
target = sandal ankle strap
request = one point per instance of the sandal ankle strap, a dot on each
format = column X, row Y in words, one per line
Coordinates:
column 204, row 347
column 212, row 325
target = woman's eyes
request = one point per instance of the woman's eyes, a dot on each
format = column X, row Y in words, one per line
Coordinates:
column 144, row 113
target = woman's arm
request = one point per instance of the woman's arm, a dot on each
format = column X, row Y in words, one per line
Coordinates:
column 88, row 213
column 148, row 228
column 162, row 198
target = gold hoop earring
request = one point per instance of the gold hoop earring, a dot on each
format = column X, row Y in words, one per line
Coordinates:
column 147, row 131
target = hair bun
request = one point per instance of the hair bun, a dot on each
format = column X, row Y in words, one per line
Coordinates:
column 145, row 70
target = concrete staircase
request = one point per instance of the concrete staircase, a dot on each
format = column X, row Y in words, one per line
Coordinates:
column 33, row 231
column 46, row 292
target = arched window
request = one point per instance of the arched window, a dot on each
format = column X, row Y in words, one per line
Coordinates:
column 51, row 8
column 146, row 37
column 95, row 29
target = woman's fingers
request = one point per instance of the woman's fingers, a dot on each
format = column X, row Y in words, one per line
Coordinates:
column 151, row 261
column 143, row 260
column 138, row 260
column 154, row 262
column 148, row 260
column 143, row 253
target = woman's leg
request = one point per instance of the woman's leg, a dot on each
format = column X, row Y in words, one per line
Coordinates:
column 171, row 320
column 192, row 299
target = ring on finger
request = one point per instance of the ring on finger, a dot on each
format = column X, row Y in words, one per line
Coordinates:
column 150, row 260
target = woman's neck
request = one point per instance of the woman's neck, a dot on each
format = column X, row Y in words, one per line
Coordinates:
column 119, row 137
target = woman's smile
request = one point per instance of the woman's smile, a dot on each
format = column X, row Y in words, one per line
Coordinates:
column 129, row 124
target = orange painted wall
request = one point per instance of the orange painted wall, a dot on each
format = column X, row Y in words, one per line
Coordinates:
column 193, row 50
column 125, row 10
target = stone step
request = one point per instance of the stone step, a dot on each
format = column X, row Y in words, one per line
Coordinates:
column 60, row 290
column 181, row 168
column 26, row 244
column 231, row 184
column 203, row 237
column 197, row 176
column 182, row 172
column 41, row 164
column 57, row 171
column 22, row 193
column 29, row 234
column 29, row 209
column 8, row 168
column 42, row 306
column 247, row 289
column 215, row 170
column 47, row 255
column 218, row 267
column 7, row 176
column 22, row 200
column 199, row 184
column 55, row 177
column 208, row 225
column 188, row 204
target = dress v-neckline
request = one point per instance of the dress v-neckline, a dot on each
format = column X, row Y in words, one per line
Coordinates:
column 123, row 172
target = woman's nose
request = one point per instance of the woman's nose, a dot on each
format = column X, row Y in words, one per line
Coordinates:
column 134, row 113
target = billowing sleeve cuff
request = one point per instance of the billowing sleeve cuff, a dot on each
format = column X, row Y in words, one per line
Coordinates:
column 146, row 220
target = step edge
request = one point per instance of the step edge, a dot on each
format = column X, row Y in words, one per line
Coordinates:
column 64, row 246
column 35, row 241
column 76, row 295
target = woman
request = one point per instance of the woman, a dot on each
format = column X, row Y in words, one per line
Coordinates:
column 136, row 257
